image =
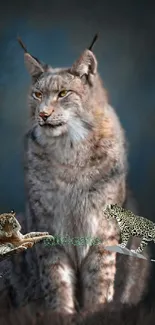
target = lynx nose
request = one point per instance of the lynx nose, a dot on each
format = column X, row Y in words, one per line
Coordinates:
column 45, row 114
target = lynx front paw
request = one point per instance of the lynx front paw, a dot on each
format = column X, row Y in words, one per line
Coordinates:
column 43, row 237
column 35, row 234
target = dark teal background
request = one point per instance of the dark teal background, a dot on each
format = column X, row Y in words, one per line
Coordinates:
column 57, row 32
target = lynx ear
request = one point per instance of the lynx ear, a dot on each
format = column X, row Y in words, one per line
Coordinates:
column 34, row 67
column 86, row 65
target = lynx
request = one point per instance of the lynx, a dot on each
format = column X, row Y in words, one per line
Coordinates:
column 75, row 164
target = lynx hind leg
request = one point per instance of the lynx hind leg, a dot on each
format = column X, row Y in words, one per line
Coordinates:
column 97, row 276
column 8, row 252
column 58, row 279
column 6, row 248
column 18, row 249
column 34, row 240
column 35, row 234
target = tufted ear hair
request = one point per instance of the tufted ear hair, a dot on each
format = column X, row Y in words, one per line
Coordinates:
column 34, row 66
column 85, row 66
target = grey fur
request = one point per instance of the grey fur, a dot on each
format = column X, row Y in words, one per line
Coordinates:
column 71, row 172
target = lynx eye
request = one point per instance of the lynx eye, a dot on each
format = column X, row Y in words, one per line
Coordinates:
column 63, row 93
column 37, row 95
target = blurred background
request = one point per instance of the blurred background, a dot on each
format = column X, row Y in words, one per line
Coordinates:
column 57, row 32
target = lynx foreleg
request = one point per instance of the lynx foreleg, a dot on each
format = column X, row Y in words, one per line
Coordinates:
column 97, row 274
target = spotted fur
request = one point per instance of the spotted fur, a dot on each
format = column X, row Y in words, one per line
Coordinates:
column 11, row 238
column 132, row 225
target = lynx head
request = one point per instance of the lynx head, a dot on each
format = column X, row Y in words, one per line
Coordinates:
column 8, row 224
column 61, row 99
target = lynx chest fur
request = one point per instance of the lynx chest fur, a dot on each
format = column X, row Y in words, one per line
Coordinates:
column 68, row 196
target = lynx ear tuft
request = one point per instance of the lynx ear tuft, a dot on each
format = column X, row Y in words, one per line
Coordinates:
column 93, row 42
column 34, row 67
column 86, row 65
